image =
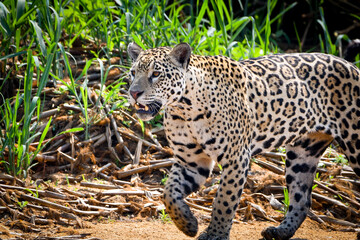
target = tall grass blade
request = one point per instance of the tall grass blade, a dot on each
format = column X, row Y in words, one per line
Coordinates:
column 20, row 8
column 40, row 38
column 267, row 28
column 12, row 55
column 3, row 19
column 217, row 6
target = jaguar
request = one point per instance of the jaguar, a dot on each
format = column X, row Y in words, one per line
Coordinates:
column 221, row 111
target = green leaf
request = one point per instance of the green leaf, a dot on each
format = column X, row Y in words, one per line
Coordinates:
column 20, row 9
column 72, row 130
column 138, row 41
column 220, row 19
column 40, row 38
column 12, row 55
column 43, row 135
column 3, row 21
column 58, row 26
column 200, row 16
column 141, row 13
column 83, row 72
column 67, row 63
column 45, row 75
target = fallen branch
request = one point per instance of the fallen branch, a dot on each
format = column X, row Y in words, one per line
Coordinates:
column 191, row 204
column 118, row 137
column 337, row 203
column 8, row 177
column 322, row 186
column 99, row 186
column 260, row 212
column 122, row 192
column 46, row 114
column 63, row 208
column 338, row 221
column 42, row 193
column 270, row 167
column 136, row 138
column 143, row 169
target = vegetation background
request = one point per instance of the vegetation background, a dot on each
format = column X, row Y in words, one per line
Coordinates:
column 39, row 39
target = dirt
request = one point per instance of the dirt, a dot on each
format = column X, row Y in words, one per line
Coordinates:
column 168, row 231
column 157, row 229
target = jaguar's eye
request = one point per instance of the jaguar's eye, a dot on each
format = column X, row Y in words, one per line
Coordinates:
column 156, row 74
column 133, row 73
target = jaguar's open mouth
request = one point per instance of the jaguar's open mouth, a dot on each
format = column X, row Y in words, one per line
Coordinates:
column 149, row 109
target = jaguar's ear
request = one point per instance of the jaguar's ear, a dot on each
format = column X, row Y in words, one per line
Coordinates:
column 180, row 55
column 134, row 50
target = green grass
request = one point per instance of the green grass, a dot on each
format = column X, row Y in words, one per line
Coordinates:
column 286, row 201
column 327, row 45
column 164, row 179
column 164, row 217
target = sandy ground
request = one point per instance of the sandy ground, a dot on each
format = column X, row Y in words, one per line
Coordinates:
column 167, row 231
column 156, row 229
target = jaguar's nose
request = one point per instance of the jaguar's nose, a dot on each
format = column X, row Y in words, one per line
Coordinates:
column 136, row 94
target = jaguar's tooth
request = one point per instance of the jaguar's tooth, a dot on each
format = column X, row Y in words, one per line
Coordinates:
column 136, row 106
column 146, row 108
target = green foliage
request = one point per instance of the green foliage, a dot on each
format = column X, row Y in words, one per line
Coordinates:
column 341, row 159
column 20, row 131
column 18, row 134
column 210, row 28
column 164, row 179
column 220, row 167
column 35, row 194
column 22, row 204
column 164, row 217
column 142, row 124
column 327, row 44
column 286, row 201
column 281, row 150
column 156, row 121
column 357, row 60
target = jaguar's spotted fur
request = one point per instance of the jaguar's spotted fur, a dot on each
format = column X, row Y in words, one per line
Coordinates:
column 221, row 110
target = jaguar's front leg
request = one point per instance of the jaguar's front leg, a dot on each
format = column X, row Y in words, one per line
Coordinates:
column 233, row 178
column 185, row 178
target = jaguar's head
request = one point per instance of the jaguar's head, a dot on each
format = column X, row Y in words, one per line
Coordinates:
column 157, row 77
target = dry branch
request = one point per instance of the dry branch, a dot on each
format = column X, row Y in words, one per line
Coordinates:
column 191, row 204
column 99, row 186
column 45, row 158
column 144, row 169
column 106, row 166
column 61, row 207
column 271, row 167
column 77, row 194
column 69, row 237
column 5, row 176
column 260, row 212
column 71, row 107
column 312, row 215
column 338, row 221
column 42, row 193
column 46, row 114
column 337, row 203
column 146, row 143
column 118, row 137
column 322, row 186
